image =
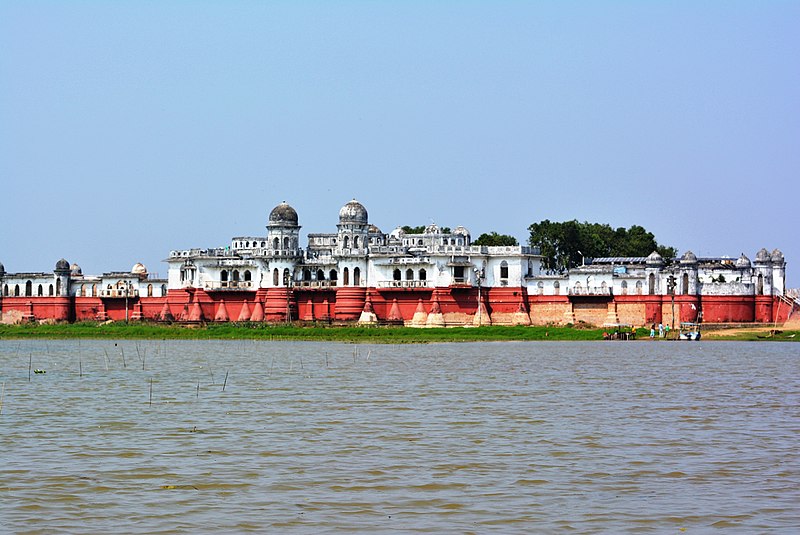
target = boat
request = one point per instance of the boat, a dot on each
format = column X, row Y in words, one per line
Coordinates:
column 689, row 331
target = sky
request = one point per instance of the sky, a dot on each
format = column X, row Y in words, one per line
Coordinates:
column 129, row 129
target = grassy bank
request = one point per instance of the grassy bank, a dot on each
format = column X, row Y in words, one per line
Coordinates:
column 263, row 331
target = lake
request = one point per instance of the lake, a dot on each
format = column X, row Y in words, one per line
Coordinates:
column 218, row 436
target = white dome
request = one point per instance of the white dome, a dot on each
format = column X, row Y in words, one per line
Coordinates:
column 353, row 212
column 139, row 269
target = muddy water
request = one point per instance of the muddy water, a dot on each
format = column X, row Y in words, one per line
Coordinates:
column 180, row 437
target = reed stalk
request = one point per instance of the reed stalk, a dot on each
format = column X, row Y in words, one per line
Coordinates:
column 225, row 382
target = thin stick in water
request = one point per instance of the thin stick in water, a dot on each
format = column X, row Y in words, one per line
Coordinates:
column 80, row 368
column 30, row 363
column 197, row 396
column 151, row 391
column 2, row 396
column 122, row 351
column 225, row 382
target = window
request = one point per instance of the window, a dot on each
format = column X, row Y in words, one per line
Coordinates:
column 149, row 290
column 355, row 242
column 16, row 290
column 235, row 275
column 504, row 270
column 247, row 275
column 333, row 275
column 286, row 277
column 163, row 290
column 5, row 290
column 40, row 291
column 346, row 242
column 275, row 276
column 223, row 276
column 638, row 287
column 94, row 290
column 286, row 243
column 759, row 288
column 28, row 289
column 624, row 287
column 540, row 288
column 357, row 276
column 276, row 244
column 320, row 275
column 306, row 274
column 346, row 277
column 409, row 274
column 58, row 286
column 422, row 274
column 651, row 284
column 557, row 288
column 396, row 275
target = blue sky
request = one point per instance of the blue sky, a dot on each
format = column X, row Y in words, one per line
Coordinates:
column 128, row 129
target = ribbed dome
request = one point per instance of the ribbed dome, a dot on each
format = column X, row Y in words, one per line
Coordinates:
column 283, row 215
column 762, row 255
column 62, row 265
column 743, row 262
column 461, row 231
column 139, row 269
column 777, row 256
column 75, row 270
column 353, row 212
column 688, row 258
column 655, row 258
column 397, row 233
column 432, row 229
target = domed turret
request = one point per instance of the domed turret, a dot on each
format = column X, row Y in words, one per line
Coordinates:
column 655, row 259
column 2, row 269
column 461, row 231
column 283, row 215
column 139, row 269
column 353, row 213
column 374, row 230
column 762, row 255
column 688, row 258
column 75, row 270
column 397, row 233
column 432, row 229
column 62, row 265
column 743, row 262
column 777, row 256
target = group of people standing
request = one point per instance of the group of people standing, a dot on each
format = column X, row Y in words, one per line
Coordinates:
column 663, row 331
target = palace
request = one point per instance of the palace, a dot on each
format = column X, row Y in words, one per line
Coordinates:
column 436, row 278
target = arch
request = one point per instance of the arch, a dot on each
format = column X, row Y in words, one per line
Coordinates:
column 263, row 244
column 355, row 242
column 357, row 276
column 82, row 291
column 624, row 287
column 286, row 242
column 396, row 275
column 540, row 288
column 276, row 277
column 287, row 278
column 409, row 274
column 346, row 243
column 5, row 290
column 503, row 269
column 149, row 290
column 419, row 241
column 423, row 274
column 651, row 284
column 247, row 275
column 94, row 290
column 235, row 277
column 16, row 290
column 604, row 287
column 40, row 291
column 333, row 275
column 306, row 274
column 346, row 277
column 320, row 275
column 276, row 244
column 58, row 286
column 28, row 289
column 163, row 290
column 639, row 287
column 557, row 287
column 223, row 276
column 686, row 283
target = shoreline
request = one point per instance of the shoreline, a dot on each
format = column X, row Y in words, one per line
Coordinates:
column 357, row 334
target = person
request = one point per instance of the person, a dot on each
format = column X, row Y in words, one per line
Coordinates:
column 666, row 331
column 653, row 331
column 661, row 330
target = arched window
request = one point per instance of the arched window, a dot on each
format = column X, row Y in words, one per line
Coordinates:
column 235, row 275
column 40, row 291
column 287, row 277
column 263, row 244
column 346, row 242
column 51, row 288
column 604, row 287
column 639, row 287
column 223, row 276
column 320, row 275
column 28, row 289
column 624, row 287
column 557, row 287
column 686, row 284
column 423, row 274
column 58, row 286
column 333, row 275
column 16, row 290
column 276, row 244
column 419, row 241
column 409, row 274
column 396, row 275
column 286, row 242
column 346, row 277
column 94, row 290
column 306, row 274
column 540, row 288
column 357, row 276
column 5, row 290
column 355, row 242
column 503, row 269
column 275, row 277
column 651, row 284
column 247, row 275
column 163, row 290
column 149, row 290
column 82, row 291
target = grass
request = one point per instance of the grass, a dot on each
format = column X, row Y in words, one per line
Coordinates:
column 265, row 331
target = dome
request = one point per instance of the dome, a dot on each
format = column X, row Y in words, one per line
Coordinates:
column 432, row 229
column 461, row 231
column 374, row 230
column 762, row 255
column 655, row 258
column 75, row 270
column 688, row 258
column 62, row 265
column 139, row 269
column 2, row 269
column 397, row 233
column 777, row 256
column 743, row 262
column 283, row 215
column 353, row 212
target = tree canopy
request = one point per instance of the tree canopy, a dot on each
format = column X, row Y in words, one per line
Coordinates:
column 421, row 229
column 566, row 244
column 494, row 239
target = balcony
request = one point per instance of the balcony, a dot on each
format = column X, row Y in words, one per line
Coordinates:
column 404, row 284
column 227, row 285
column 594, row 290
column 315, row 284
column 119, row 292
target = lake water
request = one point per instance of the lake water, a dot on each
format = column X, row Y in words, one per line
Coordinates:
column 212, row 436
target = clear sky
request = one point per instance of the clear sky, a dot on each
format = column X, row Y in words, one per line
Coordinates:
column 128, row 129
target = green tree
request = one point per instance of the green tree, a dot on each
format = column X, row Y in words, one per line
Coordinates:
column 413, row 230
column 495, row 239
column 567, row 244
